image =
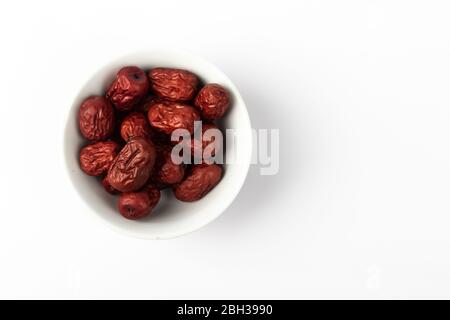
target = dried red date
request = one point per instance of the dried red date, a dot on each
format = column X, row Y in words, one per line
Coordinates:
column 96, row 158
column 133, row 165
column 173, row 84
column 213, row 101
column 135, row 125
column 202, row 179
column 166, row 116
column 136, row 205
column 129, row 88
column 166, row 171
column 158, row 138
column 96, row 118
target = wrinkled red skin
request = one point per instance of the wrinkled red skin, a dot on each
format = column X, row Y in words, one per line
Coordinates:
column 107, row 186
column 201, row 180
column 213, row 101
column 166, row 172
column 133, row 165
column 136, row 205
column 158, row 138
column 96, row 158
column 135, row 125
column 96, row 118
column 166, row 116
column 173, row 84
column 129, row 88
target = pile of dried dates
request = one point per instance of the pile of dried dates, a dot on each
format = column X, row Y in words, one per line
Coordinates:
column 129, row 132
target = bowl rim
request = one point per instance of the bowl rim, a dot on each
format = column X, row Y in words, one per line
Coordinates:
column 210, row 218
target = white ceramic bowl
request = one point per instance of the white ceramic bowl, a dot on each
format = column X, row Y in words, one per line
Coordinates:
column 171, row 218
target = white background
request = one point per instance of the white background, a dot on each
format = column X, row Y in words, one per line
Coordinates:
column 360, row 207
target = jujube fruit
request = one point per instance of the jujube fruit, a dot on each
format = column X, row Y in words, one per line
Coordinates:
column 133, row 165
column 96, row 118
column 128, row 88
column 213, row 100
column 173, row 84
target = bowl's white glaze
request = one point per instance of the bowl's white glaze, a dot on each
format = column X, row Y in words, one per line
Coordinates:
column 171, row 218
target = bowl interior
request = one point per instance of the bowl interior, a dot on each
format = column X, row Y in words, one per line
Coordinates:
column 171, row 217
